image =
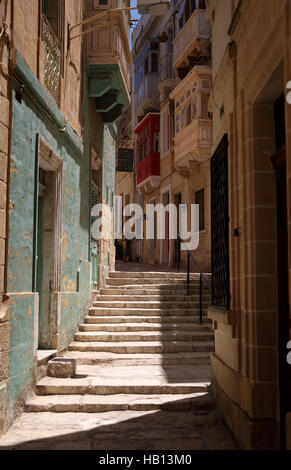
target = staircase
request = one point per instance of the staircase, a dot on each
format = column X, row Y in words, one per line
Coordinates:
column 140, row 348
column 142, row 377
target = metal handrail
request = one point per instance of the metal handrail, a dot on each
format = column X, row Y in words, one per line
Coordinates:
column 202, row 276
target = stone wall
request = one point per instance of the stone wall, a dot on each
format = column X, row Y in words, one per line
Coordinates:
column 4, row 162
column 36, row 116
column 250, row 75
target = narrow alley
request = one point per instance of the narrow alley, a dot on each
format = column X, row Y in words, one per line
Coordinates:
column 145, row 225
column 142, row 375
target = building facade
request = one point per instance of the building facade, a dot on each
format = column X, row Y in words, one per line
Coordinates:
column 68, row 87
column 171, row 82
column 251, row 213
column 5, row 119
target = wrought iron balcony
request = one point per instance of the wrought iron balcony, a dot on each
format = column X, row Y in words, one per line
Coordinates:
column 52, row 60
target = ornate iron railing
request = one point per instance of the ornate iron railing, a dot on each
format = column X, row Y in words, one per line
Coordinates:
column 52, row 60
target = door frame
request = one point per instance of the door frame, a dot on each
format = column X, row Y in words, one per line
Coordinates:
column 49, row 160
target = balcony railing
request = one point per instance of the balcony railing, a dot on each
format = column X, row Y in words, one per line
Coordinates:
column 150, row 166
column 52, row 60
column 197, row 136
column 148, row 92
column 197, row 27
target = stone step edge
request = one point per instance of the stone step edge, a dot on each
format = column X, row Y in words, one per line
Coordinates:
column 122, row 402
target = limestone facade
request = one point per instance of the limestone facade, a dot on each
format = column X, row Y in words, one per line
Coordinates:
column 60, row 141
column 178, row 88
column 251, row 48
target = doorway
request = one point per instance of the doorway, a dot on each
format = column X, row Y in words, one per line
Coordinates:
column 48, row 200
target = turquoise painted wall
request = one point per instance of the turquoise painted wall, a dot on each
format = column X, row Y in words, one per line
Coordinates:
column 28, row 121
column 108, row 166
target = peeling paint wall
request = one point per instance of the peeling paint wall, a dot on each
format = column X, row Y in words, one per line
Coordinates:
column 73, row 299
column 107, row 247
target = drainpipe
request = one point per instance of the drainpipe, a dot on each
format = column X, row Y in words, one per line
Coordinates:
column 10, row 85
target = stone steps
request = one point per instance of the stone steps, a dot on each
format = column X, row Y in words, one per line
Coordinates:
column 144, row 326
column 104, row 311
column 150, row 298
column 133, row 347
column 163, row 290
column 101, row 336
column 116, row 386
column 151, row 281
column 140, row 348
column 155, row 275
column 150, row 304
column 162, row 320
column 119, row 402
column 139, row 359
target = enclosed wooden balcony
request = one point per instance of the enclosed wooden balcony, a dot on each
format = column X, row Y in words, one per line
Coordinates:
column 148, row 153
column 192, row 145
column 147, row 95
column 108, row 56
column 191, row 46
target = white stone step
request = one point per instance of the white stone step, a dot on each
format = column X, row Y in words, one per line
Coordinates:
column 106, row 403
column 103, row 311
column 162, row 320
column 97, row 386
column 149, row 304
column 133, row 347
column 151, row 281
column 150, row 298
column 153, row 290
column 154, row 275
column 87, row 336
column 144, row 326
column 138, row 359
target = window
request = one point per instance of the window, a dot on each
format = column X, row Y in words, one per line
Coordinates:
column 156, row 142
column 194, row 108
column 188, row 115
column 52, row 10
column 154, row 62
column 183, row 118
column 204, row 106
column 177, row 123
column 103, row 2
column 193, row 6
column 199, row 199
